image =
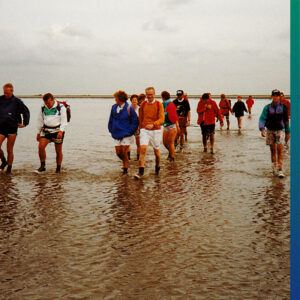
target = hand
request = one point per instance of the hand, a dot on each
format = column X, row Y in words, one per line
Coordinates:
column 263, row 133
column 38, row 136
column 149, row 126
column 59, row 135
column 221, row 124
column 208, row 106
column 21, row 125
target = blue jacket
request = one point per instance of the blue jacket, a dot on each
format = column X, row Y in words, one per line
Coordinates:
column 124, row 123
column 11, row 111
column 274, row 117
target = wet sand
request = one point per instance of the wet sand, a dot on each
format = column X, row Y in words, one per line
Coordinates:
column 208, row 227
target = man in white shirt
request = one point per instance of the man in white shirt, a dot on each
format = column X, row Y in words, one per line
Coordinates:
column 52, row 121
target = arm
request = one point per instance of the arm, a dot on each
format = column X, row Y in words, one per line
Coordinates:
column 161, row 115
column 25, row 113
column 286, row 119
column 218, row 114
column 63, row 118
column 172, row 114
column 263, row 119
column 110, row 121
column 40, row 124
column 134, row 121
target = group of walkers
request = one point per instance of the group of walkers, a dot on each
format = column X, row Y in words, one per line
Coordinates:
column 146, row 115
column 141, row 122
column 14, row 114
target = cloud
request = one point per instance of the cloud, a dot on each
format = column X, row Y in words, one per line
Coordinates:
column 159, row 26
column 57, row 31
column 170, row 4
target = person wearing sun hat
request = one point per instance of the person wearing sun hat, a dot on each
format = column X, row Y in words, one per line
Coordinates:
column 275, row 118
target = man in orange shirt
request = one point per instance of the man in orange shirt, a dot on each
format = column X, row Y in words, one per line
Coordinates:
column 151, row 117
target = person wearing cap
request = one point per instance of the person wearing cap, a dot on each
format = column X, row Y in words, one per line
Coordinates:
column 134, row 103
column 151, row 118
column 225, row 108
column 208, row 111
column 249, row 103
column 51, row 124
column 184, row 115
column 122, row 124
column 14, row 114
column 275, row 118
column 171, row 126
column 238, row 109
column 287, row 103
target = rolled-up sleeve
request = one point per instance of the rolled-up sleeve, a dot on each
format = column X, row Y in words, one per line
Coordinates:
column 63, row 118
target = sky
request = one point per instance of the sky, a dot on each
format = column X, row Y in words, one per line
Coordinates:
column 100, row 46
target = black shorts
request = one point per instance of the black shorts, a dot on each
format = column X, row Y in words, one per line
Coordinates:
column 6, row 131
column 52, row 137
column 207, row 129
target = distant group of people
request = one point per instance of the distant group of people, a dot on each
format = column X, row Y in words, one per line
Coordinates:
column 143, row 121
column 147, row 116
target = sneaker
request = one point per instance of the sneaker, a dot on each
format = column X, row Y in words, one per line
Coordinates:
column 274, row 171
column 140, row 173
column 40, row 170
column 280, row 174
column 157, row 169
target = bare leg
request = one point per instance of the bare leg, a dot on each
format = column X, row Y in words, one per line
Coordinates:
column 59, row 156
column 42, row 149
column 143, row 151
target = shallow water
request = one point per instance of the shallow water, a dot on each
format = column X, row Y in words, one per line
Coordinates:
column 208, row 227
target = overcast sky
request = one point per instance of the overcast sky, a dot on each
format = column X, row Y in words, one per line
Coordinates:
column 99, row 46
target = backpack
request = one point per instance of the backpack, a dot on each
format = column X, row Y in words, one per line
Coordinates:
column 58, row 107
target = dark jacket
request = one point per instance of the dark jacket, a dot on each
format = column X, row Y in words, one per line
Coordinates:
column 239, row 108
column 274, row 117
column 11, row 112
column 124, row 123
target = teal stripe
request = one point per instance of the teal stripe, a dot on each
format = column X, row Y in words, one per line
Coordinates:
column 295, row 153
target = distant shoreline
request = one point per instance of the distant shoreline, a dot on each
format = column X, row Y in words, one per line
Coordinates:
column 230, row 96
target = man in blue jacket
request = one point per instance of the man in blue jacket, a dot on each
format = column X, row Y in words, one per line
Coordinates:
column 14, row 114
column 122, row 124
column 275, row 118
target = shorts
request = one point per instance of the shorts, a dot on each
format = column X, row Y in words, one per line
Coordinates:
column 8, row 131
column 52, row 137
column 182, row 121
column 274, row 137
column 152, row 136
column 168, row 128
column 207, row 129
column 126, row 141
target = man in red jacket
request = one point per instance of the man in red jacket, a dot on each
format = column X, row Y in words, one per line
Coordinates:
column 208, row 111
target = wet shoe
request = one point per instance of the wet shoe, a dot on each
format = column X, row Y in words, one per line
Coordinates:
column 3, row 165
column 140, row 173
column 212, row 151
column 125, row 171
column 205, row 150
column 40, row 170
column 280, row 174
column 157, row 169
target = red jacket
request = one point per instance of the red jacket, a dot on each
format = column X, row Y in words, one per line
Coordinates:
column 249, row 102
column 287, row 103
column 208, row 111
column 225, row 107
